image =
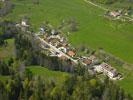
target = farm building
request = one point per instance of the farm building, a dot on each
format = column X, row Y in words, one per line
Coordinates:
column 71, row 53
column 107, row 70
column 114, row 13
column 87, row 61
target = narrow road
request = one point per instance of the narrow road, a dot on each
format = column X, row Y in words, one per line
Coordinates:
column 55, row 49
column 89, row 2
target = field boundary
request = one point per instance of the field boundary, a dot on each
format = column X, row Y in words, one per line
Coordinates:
column 89, row 2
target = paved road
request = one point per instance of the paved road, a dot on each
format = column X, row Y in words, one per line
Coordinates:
column 55, row 49
column 89, row 2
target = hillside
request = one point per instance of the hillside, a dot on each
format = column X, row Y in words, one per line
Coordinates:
column 95, row 31
column 66, row 50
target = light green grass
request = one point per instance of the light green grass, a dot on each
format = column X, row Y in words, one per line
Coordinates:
column 47, row 74
column 127, row 82
column 8, row 51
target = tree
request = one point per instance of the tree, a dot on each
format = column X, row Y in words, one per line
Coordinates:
column 73, row 25
column 35, row 2
column 39, row 89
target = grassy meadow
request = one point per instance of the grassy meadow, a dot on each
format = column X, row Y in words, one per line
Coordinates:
column 8, row 51
column 47, row 74
column 127, row 81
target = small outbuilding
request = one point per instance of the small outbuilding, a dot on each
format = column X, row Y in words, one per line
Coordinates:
column 71, row 53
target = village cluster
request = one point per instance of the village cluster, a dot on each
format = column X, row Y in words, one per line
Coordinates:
column 58, row 46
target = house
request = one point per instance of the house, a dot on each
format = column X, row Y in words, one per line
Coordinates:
column 54, row 37
column 107, row 70
column 63, row 39
column 63, row 49
column 24, row 23
column 65, row 45
column 93, row 58
column 71, row 53
column 42, row 30
column 53, row 41
column 87, row 62
column 115, row 13
column 53, row 32
column 59, row 45
column 98, row 68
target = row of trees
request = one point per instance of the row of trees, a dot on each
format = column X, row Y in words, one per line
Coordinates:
column 7, row 30
column 6, row 67
column 3, row 42
column 73, row 88
column 105, row 1
column 7, row 8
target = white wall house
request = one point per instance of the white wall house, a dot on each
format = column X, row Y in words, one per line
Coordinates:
column 24, row 23
column 106, row 69
column 98, row 68
column 63, row 49
column 114, row 13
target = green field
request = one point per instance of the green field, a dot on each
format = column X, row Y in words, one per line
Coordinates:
column 8, row 51
column 47, row 74
column 127, row 82
column 94, row 30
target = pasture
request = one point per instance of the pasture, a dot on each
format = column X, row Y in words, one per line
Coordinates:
column 47, row 74
column 7, row 51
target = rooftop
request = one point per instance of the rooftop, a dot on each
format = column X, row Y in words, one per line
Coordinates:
column 87, row 61
column 71, row 53
column 109, row 68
